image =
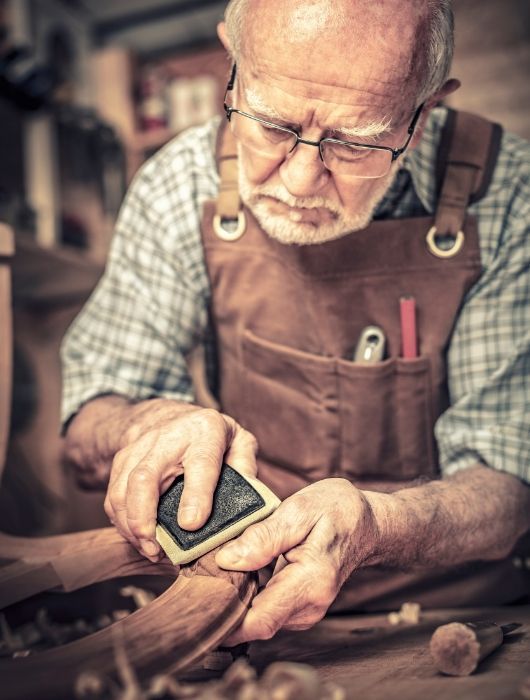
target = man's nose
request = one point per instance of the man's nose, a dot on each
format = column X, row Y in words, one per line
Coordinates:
column 302, row 172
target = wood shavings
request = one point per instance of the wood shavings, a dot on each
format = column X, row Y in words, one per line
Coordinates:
column 409, row 614
column 140, row 596
column 120, row 614
column 217, row 661
column 280, row 681
column 45, row 633
column 10, row 642
column 289, row 681
column 163, row 686
column 89, row 685
column 284, row 680
column 238, row 676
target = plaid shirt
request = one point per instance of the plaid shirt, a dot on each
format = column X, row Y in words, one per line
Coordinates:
column 150, row 308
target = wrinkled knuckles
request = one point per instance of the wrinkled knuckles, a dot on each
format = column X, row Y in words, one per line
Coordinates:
column 261, row 537
column 140, row 530
column 326, row 592
column 107, row 507
column 249, row 440
column 117, row 505
column 208, row 419
column 141, row 477
column 121, row 457
column 268, row 627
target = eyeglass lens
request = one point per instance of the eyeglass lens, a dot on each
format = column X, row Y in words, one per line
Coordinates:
column 275, row 142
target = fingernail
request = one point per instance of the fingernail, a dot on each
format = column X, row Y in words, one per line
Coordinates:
column 149, row 547
column 188, row 515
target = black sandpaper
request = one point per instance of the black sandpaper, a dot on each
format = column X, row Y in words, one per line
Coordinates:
column 234, row 499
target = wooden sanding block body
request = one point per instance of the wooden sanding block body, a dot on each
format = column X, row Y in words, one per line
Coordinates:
column 238, row 502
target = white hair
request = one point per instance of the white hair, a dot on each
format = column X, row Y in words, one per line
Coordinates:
column 438, row 44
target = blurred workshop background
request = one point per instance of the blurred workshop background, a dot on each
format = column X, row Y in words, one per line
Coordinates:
column 88, row 90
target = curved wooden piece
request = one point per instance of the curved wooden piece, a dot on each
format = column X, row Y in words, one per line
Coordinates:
column 193, row 616
column 68, row 562
column 7, row 250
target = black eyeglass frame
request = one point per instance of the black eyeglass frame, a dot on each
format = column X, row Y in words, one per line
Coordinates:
column 395, row 152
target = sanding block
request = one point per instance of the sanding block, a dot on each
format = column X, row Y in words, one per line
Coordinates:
column 238, row 502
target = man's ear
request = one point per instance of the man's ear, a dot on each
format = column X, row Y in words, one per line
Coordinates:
column 223, row 36
column 447, row 88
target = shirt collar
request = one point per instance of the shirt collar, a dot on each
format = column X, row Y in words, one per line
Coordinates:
column 418, row 169
column 421, row 162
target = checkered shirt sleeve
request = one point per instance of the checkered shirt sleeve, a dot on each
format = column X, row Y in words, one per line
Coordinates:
column 149, row 309
column 489, row 355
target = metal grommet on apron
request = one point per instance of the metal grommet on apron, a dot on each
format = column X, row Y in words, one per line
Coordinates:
column 440, row 251
column 230, row 229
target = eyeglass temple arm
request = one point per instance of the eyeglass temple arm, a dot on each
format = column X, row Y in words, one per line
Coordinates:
column 398, row 151
column 414, row 118
column 232, row 80
column 229, row 88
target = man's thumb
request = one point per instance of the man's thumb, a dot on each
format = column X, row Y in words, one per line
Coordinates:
column 254, row 549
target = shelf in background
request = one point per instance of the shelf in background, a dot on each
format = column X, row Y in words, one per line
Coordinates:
column 51, row 276
column 150, row 140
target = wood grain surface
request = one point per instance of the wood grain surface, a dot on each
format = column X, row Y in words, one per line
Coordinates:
column 168, row 635
column 7, row 249
column 374, row 660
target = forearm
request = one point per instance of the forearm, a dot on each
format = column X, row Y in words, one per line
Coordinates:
column 478, row 514
column 107, row 424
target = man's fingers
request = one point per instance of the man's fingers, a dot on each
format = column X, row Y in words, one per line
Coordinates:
column 134, row 480
column 201, row 473
column 241, row 454
column 285, row 603
column 262, row 542
column 115, row 504
column 141, row 504
column 194, row 444
column 208, row 439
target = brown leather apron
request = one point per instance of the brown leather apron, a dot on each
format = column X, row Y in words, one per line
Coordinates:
column 288, row 318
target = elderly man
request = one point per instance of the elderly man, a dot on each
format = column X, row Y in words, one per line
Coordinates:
column 343, row 189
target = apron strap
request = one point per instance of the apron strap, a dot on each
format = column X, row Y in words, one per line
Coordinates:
column 466, row 159
column 229, row 220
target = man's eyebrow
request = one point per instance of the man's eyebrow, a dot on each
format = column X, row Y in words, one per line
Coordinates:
column 258, row 105
column 371, row 130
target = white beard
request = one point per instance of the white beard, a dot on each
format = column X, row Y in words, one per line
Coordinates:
column 287, row 230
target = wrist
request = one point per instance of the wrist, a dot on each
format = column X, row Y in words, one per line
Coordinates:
column 388, row 520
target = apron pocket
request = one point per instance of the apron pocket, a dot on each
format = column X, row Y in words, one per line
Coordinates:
column 386, row 422
column 290, row 405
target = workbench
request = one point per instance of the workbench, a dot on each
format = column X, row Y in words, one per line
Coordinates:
column 373, row 660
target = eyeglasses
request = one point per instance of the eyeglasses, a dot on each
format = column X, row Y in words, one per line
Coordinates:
column 271, row 140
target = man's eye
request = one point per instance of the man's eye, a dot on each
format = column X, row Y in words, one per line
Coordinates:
column 351, row 152
column 274, row 133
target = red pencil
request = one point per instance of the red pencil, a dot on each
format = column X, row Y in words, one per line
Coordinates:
column 409, row 338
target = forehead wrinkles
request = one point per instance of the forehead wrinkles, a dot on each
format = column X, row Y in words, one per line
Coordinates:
column 264, row 87
column 345, row 124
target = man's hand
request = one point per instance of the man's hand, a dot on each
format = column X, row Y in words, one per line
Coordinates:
column 331, row 528
column 194, row 442
column 140, row 448
column 324, row 532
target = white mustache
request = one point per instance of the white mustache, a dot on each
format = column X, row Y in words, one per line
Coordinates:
column 282, row 195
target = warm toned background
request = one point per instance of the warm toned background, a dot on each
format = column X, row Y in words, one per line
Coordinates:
column 492, row 59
